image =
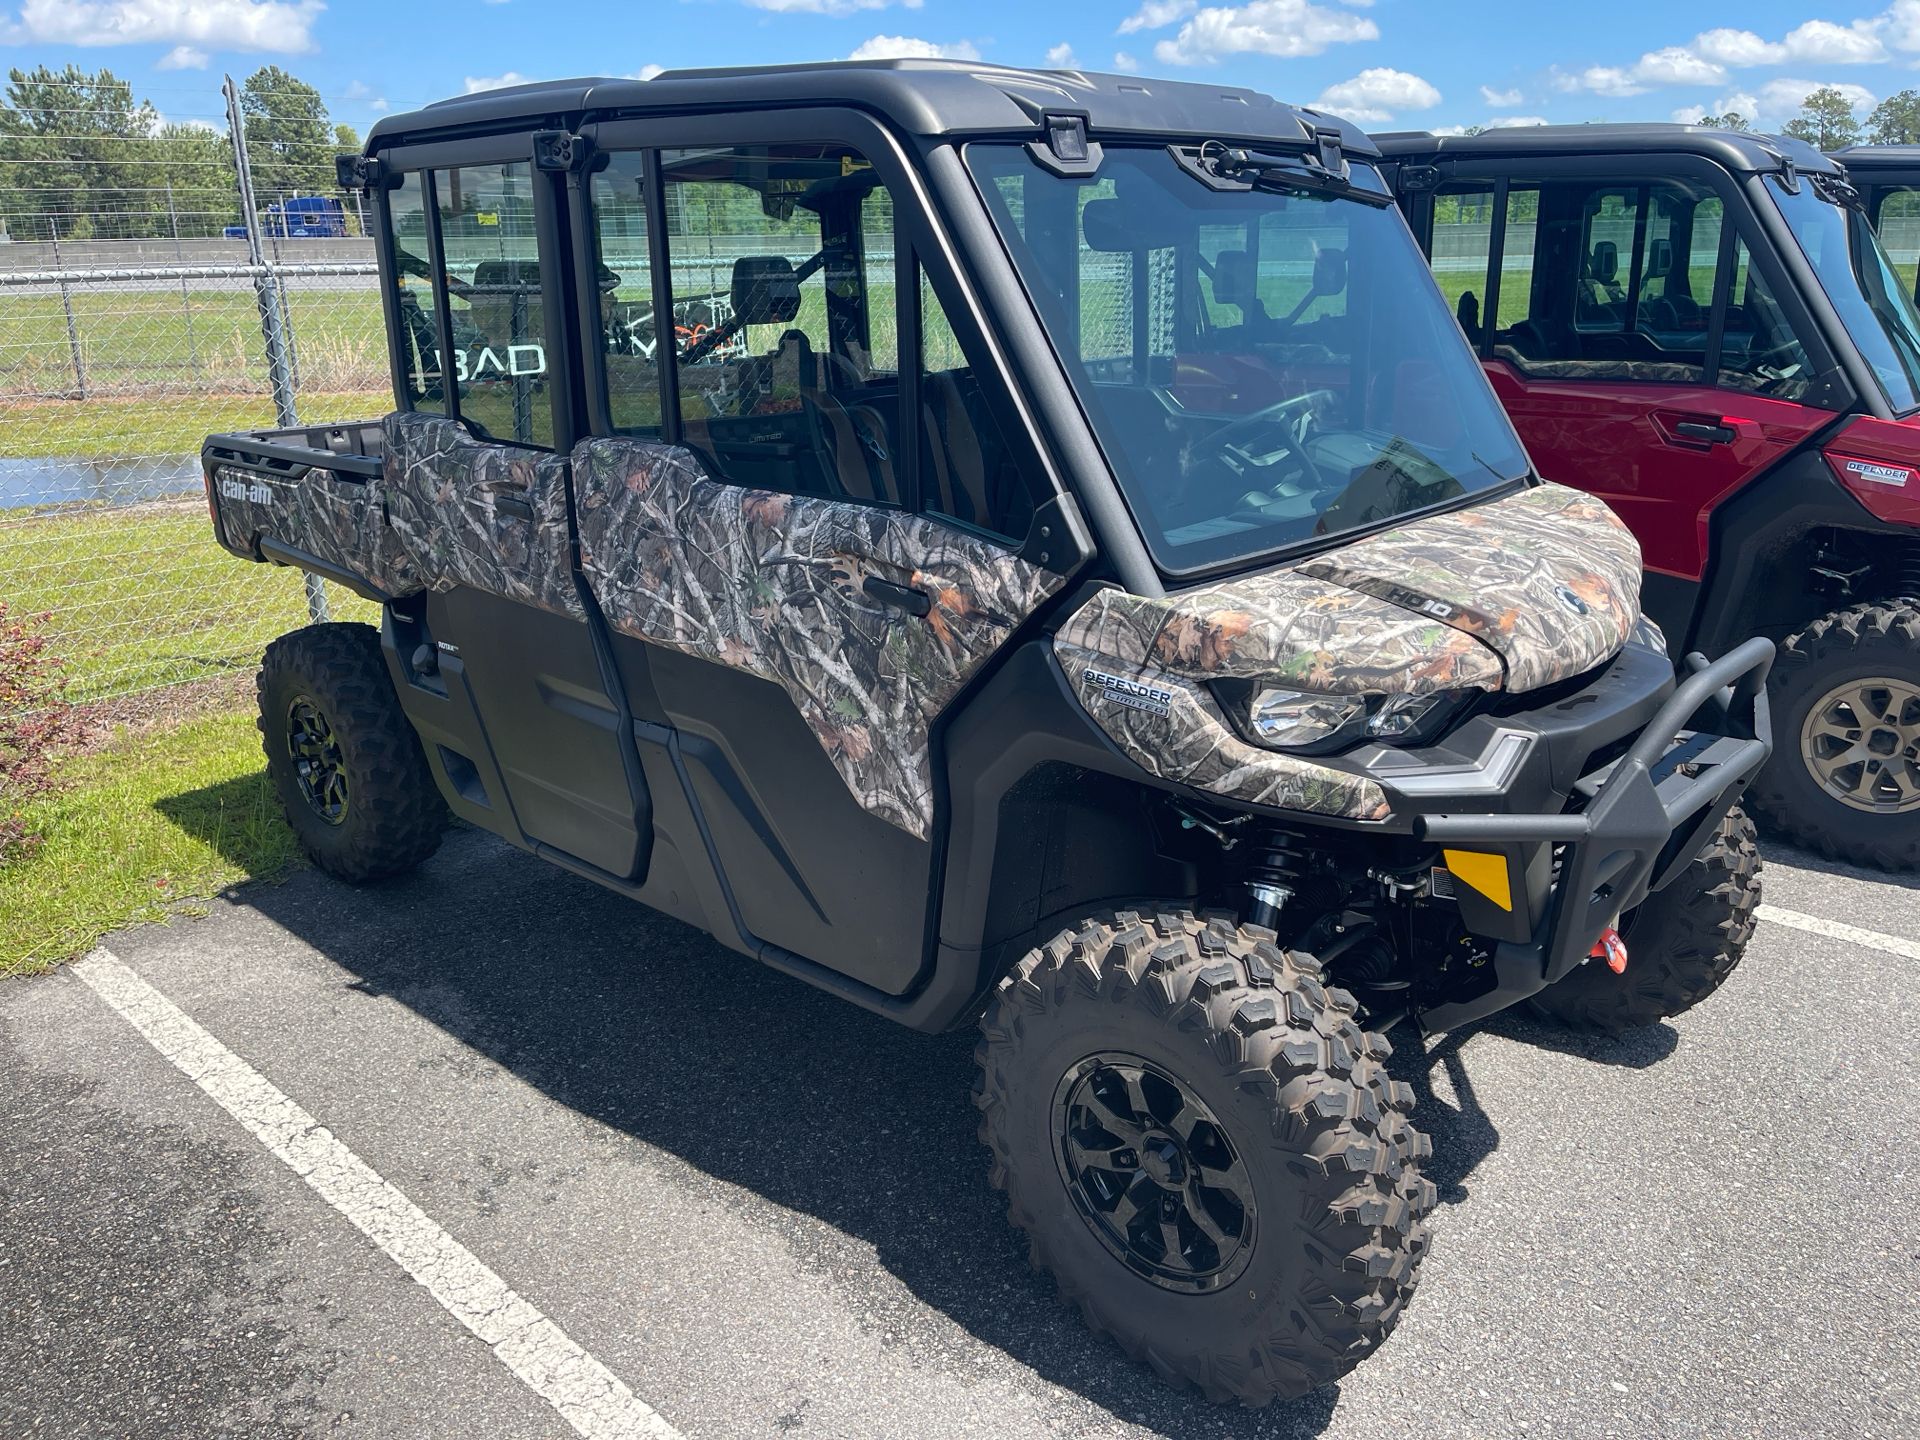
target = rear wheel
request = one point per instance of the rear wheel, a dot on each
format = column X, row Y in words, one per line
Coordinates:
column 345, row 761
column 1682, row 942
column 1845, row 775
column 1203, row 1148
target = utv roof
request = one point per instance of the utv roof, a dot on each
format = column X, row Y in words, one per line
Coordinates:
column 1871, row 158
column 930, row 98
column 1735, row 149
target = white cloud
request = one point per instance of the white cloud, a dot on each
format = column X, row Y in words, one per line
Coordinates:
column 1123, row 62
column 908, row 47
column 1155, row 14
column 1601, row 80
column 380, row 106
column 1826, row 43
column 1676, row 65
column 835, row 8
column 1376, row 95
column 1509, row 122
column 1060, row 57
column 645, row 72
column 182, row 57
column 1901, row 24
column 1737, row 48
column 474, row 84
column 1284, row 28
column 1501, row 99
column 282, row 27
column 1780, row 99
column 1689, row 114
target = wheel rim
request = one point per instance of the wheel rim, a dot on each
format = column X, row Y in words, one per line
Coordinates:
column 1153, row 1174
column 318, row 766
column 1861, row 742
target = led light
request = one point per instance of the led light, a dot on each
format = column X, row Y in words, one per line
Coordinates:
column 1287, row 719
column 1402, row 714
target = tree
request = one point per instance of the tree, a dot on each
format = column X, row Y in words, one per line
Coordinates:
column 290, row 141
column 1825, row 121
column 345, row 138
column 73, row 146
column 198, row 177
column 1732, row 120
column 1896, row 120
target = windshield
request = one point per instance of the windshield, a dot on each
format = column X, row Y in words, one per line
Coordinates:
column 1861, row 282
column 1262, row 368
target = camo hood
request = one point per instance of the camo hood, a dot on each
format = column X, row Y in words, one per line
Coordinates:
column 1515, row 594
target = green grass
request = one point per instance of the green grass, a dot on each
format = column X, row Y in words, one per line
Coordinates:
column 186, row 340
column 141, row 831
column 143, row 596
column 124, row 426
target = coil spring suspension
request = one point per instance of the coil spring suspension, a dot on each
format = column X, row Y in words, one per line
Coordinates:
column 1910, row 573
column 1273, row 874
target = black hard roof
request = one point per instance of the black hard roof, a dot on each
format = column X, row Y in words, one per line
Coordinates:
column 1879, row 157
column 1736, row 149
column 920, row 97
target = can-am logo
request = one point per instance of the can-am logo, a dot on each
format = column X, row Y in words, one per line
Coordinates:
column 1879, row 474
column 254, row 492
column 1131, row 693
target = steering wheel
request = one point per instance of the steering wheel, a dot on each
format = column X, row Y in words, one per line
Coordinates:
column 1294, row 416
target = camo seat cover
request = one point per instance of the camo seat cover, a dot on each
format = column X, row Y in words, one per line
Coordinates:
column 774, row 584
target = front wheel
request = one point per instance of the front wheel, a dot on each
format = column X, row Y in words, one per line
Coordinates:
column 1845, row 774
column 1682, row 942
column 346, row 763
column 1204, row 1150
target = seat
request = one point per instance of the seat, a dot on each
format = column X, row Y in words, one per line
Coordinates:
column 959, row 465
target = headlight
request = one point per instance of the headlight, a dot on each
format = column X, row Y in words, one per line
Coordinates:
column 1308, row 721
column 1290, row 719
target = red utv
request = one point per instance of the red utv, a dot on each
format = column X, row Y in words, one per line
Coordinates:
column 1702, row 327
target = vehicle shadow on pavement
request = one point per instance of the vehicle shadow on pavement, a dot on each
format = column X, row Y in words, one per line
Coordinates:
column 1774, row 851
column 652, row 1028
column 1447, row 1108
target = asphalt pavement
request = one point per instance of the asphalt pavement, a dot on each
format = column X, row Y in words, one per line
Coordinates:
column 284, row 1170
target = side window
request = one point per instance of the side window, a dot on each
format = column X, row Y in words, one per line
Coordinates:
column 968, row 472
column 623, row 276
column 491, row 257
column 413, row 276
column 1758, row 350
column 1611, row 222
column 1897, row 218
column 786, row 348
column 1519, row 250
column 1461, row 252
column 1676, row 283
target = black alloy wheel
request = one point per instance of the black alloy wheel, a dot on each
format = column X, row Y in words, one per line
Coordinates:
column 318, row 766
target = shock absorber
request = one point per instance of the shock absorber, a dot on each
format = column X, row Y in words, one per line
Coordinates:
column 1910, row 573
column 1273, row 875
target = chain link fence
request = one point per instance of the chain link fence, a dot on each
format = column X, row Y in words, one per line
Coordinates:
column 136, row 319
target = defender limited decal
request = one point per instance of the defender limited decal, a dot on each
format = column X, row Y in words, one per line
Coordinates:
column 1879, row 474
column 1131, row 693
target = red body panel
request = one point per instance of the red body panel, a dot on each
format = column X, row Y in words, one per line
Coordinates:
column 1879, row 463
column 1618, row 440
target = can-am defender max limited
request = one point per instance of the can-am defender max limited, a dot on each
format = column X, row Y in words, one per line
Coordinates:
column 1079, row 581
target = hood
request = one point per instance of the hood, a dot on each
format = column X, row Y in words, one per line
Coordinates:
column 1516, row 593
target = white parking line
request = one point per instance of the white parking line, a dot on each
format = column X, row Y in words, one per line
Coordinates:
column 1839, row 930
column 588, row 1396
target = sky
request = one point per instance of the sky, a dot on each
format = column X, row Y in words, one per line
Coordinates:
column 1387, row 64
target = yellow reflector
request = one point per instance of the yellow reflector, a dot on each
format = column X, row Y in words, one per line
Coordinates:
column 1485, row 873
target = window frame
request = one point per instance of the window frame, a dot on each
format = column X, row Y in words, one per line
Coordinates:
column 921, row 247
column 426, row 161
column 1648, row 172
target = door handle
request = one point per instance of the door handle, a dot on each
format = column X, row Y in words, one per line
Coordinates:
column 901, row 597
column 513, row 505
column 1705, row 431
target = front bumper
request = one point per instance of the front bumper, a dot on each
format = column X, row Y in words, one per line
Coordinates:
column 1639, row 822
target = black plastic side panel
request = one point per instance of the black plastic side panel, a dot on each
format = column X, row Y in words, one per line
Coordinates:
column 811, row 871
column 553, row 734
column 1671, row 602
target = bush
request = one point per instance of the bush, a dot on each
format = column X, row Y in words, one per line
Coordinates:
column 34, row 719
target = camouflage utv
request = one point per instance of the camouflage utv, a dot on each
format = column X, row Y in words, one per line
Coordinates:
column 1078, row 582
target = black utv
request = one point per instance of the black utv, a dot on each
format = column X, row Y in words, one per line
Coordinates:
column 1065, row 573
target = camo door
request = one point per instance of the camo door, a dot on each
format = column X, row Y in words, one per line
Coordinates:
column 804, row 628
